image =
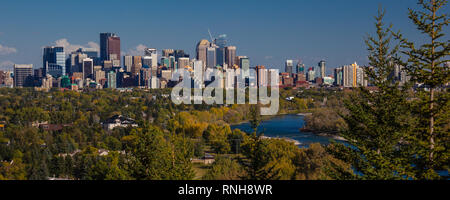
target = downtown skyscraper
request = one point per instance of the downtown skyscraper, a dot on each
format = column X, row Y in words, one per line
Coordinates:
column 23, row 75
column 322, row 69
column 109, row 47
column 54, row 61
column 221, row 43
column 211, row 56
column 201, row 50
column 230, row 56
column 300, row 68
column 289, row 65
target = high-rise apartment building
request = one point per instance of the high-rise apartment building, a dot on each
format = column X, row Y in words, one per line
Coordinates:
column 353, row 76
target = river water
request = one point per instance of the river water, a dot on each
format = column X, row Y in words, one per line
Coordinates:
column 286, row 126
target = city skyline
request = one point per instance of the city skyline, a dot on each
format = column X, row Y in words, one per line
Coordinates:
column 299, row 34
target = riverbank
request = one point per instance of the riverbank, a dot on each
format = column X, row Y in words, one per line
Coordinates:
column 263, row 118
column 331, row 135
column 296, row 143
column 336, row 137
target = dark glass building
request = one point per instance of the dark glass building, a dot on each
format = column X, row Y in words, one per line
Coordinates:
column 109, row 46
column 221, row 43
column 54, row 61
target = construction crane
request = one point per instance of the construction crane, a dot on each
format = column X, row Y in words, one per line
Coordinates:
column 210, row 36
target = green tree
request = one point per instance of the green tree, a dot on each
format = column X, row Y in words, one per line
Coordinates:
column 13, row 170
column 314, row 163
column 376, row 121
column 156, row 157
column 255, row 149
column 426, row 65
column 224, row 168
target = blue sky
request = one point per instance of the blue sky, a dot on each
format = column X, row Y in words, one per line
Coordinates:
column 269, row 32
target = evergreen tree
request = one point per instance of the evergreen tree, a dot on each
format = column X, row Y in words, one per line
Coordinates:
column 427, row 64
column 377, row 121
column 255, row 151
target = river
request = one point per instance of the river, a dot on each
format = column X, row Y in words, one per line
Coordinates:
column 286, row 126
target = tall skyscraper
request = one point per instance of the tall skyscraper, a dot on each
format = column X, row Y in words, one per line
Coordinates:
column 262, row 78
column 201, row 49
column 221, row 43
column 230, row 55
column 112, row 79
column 99, row 75
column 54, row 61
column 136, row 66
column 244, row 63
column 165, row 62
column 104, row 45
column 300, row 68
column 23, row 75
column 167, row 52
column 338, row 76
column 211, row 56
column 183, row 62
column 88, row 68
column 172, row 63
column 322, row 68
column 153, row 54
column 90, row 52
column 311, row 74
column 360, row 81
column 180, row 54
column 352, row 75
column 146, row 62
column 74, row 62
column 127, row 63
column 109, row 46
column 289, row 65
